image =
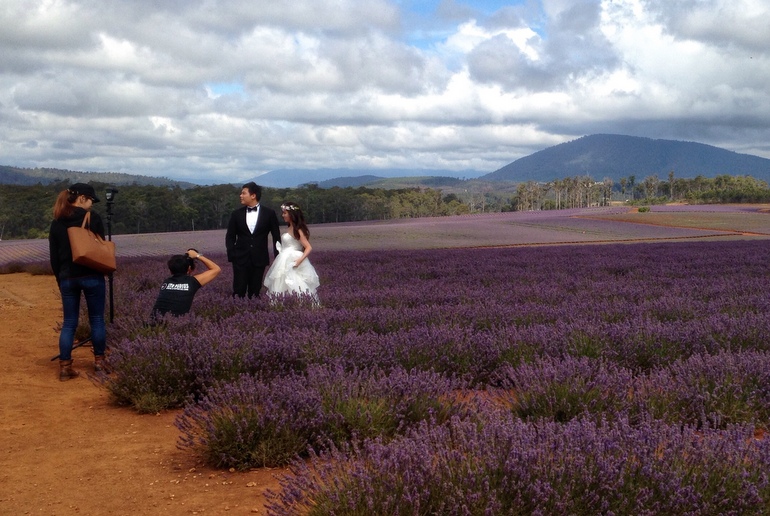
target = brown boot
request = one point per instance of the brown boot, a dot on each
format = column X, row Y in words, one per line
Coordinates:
column 65, row 370
column 100, row 365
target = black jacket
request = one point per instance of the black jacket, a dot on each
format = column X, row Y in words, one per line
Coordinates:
column 59, row 245
column 247, row 248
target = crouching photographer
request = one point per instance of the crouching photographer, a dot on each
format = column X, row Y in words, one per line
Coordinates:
column 177, row 292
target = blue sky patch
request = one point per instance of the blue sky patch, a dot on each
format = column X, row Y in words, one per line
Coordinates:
column 225, row 88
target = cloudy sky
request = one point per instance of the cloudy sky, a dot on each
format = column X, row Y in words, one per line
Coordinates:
column 219, row 91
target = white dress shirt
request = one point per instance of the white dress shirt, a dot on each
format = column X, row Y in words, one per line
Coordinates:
column 251, row 218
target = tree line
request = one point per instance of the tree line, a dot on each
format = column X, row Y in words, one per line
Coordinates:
column 26, row 210
column 584, row 191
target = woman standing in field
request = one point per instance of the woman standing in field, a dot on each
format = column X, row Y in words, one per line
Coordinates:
column 69, row 210
column 291, row 271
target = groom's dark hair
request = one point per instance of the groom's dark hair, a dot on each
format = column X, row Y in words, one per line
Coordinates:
column 253, row 188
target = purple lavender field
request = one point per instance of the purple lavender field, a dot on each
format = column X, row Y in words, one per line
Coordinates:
column 625, row 378
column 470, row 366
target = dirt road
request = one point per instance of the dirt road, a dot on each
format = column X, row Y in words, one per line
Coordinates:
column 65, row 449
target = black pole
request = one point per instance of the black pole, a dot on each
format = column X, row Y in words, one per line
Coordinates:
column 110, row 199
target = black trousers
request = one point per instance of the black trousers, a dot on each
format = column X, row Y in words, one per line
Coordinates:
column 247, row 280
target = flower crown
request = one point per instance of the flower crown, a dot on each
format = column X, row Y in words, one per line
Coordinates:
column 288, row 207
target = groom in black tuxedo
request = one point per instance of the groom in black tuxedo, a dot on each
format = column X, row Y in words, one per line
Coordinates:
column 246, row 241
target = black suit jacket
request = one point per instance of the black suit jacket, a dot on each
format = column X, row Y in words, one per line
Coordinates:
column 247, row 248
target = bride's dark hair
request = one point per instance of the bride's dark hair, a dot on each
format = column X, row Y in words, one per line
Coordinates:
column 297, row 218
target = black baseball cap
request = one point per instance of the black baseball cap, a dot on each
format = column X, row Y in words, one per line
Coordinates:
column 84, row 189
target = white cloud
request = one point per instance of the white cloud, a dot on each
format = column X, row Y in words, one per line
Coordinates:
column 729, row 23
column 222, row 90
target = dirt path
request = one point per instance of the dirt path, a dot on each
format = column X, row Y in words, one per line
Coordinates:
column 64, row 449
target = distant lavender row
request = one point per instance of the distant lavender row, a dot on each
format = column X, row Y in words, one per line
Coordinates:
column 741, row 221
column 713, row 208
column 481, row 230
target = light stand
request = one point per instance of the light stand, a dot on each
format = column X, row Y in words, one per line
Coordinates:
column 110, row 196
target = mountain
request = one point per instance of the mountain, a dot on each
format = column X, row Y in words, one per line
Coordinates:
column 599, row 156
column 616, row 156
column 290, row 178
column 33, row 176
column 349, row 181
column 391, row 183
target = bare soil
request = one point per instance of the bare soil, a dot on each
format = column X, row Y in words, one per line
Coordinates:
column 66, row 449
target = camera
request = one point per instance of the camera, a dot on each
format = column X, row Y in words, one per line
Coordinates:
column 191, row 261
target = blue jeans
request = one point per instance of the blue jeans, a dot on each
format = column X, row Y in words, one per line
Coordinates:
column 93, row 288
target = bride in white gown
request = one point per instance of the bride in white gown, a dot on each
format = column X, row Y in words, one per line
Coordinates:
column 291, row 271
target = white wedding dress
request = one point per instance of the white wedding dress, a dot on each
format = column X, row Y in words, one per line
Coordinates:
column 282, row 277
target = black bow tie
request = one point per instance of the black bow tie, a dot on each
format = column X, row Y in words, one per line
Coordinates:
column 252, row 208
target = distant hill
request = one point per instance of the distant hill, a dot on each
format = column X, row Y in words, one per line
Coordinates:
column 618, row 156
column 418, row 182
column 352, row 181
column 290, row 178
column 598, row 156
column 33, row 176
column 390, row 183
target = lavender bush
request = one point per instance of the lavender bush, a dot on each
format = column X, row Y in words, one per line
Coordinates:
column 251, row 423
column 703, row 390
column 165, row 368
column 505, row 466
column 716, row 391
column 564, row 389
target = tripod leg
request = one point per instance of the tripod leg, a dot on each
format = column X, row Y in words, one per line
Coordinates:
column 112, row 302
column 75, row 346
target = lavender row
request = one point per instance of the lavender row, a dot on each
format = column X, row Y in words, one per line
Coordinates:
column 165, row 366
column 702, row 391
column 254, row 423
column 504, row 466
column 659, row 302
column 470, row 313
